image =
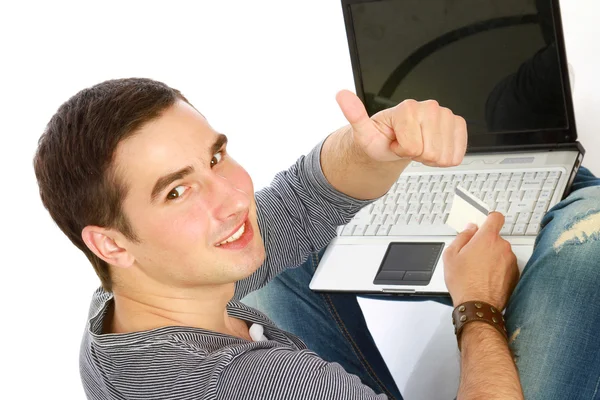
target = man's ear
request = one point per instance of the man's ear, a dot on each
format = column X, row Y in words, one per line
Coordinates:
column 103, row 242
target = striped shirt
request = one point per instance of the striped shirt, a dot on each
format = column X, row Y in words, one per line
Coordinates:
column 297, row 214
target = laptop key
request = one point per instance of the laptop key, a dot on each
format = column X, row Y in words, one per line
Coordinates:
column 390, row 198
column 506, row 229
column 536, row 218
column 428, row 198
column 546, row 194
column 379, row 219
column 519, row 229
column 428, row 219
column 527, row 185
column 440, row 198
column 384, row 230
column 514, row 186
column 501, row 186
column 554, row 174
column 521, row 206
column 437, row 209
column 401, row 188
column 372, row 230
column 402, row 220
column 426, row 208
column 504, row 196
column 550, row 184
column 415, row 219
column 348, row 230
column 359, row 230
column 403, row 198
column 438, row 187
column 541, row 206
column 415, row 198
column 439, row 219
column 532, row 229
column 516, row 195
column 502, row 207
column 524, row 217
column 531, row 195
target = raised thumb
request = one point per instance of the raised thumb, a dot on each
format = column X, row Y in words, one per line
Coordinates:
column 354, row 111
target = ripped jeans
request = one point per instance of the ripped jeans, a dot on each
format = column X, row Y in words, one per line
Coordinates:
column 553, row 316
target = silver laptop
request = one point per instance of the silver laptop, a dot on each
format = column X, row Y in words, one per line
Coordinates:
column 501, row 65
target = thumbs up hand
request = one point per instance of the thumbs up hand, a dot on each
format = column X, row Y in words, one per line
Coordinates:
column 420, row 131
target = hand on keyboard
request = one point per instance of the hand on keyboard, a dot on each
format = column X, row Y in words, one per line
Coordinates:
column 480, row 265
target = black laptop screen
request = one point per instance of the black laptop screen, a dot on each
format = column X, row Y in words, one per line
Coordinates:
column 494, row 62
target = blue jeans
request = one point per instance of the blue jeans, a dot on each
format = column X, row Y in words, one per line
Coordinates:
column 553, row 316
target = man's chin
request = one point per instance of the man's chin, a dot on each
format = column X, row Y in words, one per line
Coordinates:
column 250, row 266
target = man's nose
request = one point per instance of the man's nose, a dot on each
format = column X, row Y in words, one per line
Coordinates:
column 227, row 200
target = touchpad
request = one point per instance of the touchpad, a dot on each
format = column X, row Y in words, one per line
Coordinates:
column 409, row 263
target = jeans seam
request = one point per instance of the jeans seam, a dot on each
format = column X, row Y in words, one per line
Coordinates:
column 353, row 345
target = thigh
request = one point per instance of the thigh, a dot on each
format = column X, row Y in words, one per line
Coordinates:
column 331, row 325
column 553, row 316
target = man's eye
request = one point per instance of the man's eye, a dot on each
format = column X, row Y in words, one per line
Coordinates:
column 176, row 192
column 216, row 158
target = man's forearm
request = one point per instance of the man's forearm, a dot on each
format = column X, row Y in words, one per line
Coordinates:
column 352, row 172
column 487, row 368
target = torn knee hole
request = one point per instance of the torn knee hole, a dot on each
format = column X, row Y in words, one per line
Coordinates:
column 587, row 228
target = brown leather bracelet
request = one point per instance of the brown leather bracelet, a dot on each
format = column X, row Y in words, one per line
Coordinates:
column 477, row 311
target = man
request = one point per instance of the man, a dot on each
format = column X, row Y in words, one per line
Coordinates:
column 143, row 185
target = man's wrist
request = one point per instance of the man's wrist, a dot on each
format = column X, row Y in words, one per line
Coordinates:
column 478, row 331
column 354, row 149
column 477, row 313
column 360, row 155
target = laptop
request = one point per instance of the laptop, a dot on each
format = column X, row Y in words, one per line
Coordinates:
column 500, row 64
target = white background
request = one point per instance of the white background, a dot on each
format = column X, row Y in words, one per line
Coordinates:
column 264, row 72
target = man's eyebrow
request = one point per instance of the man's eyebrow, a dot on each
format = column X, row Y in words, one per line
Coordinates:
column 166, row 180
column 219, row 142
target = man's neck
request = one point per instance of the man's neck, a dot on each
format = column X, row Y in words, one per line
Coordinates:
column 204, row 308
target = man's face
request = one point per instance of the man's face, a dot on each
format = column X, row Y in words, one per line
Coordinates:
column 190, row 204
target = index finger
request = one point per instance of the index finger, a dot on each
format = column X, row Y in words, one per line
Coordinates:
column 462, row 239
column 493, row 223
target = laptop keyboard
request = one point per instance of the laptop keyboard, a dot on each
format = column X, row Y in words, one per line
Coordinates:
column 419, row 204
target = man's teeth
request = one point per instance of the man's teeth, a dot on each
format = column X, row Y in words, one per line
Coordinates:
column 235, row 236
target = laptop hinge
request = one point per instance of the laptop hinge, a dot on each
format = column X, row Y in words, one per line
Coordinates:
column 398, row 290
column 528, row 148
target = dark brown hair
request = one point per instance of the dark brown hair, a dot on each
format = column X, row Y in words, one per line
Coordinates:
column 74, row 160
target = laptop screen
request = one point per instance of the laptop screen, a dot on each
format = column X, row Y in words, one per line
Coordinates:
column 497, row 63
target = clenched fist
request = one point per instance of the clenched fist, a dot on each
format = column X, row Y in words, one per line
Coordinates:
column 419, row 131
